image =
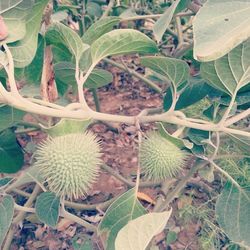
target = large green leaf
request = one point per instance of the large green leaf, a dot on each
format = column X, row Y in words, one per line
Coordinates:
column 219, row 27
column 242, row 142
column 122, row 41
column 231, row 72
column 99, row 28
column 24, row 51
column 11, row 155
column 233, row 213
column 61, row 34
column 7, row 5
column 138, row 233
column 6, row 215
column 196, row 90
column 65, row 73
column 33, row 72
column 15, row 20
column 47, row 208
column 177, row 71
column 9, row 116
column 163, row 22
column 123, row 210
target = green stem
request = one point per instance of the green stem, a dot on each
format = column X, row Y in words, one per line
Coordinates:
column 96, row 100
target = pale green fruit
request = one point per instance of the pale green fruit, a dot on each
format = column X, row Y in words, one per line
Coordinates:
column 160, row 158
column 69, row 163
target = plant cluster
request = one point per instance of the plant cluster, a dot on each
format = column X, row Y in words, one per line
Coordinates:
column 195, row 55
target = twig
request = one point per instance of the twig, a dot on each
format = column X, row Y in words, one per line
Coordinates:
column 126, row 181
column 78, row 220
column 135, row 74
column 181, row 184
column 108, row 9
column 238, row 117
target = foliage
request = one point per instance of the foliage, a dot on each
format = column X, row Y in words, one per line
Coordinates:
column 53, row 52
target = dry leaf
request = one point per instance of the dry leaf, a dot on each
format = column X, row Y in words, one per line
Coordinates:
column 145, row 197
column 64, row 224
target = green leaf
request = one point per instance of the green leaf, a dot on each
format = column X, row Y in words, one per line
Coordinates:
column 67, row 126
column 93, row 9
column 5, row 181
column 198, row 136
column 6, row 215
column 219, row 27
column 180, row 143
column 124, row 41
column 99, row 28
column 171, row 237
column 65, row 72
column 58, row 34
column 98, row 78
column 86, row 245
column 242, row 142
column 197, row 89
column 24, row 50
column 177, row 71
column 7, row 5
column 233, row 213
column 33, row 72
column 9, row 117
column 138, row 233
column 163, row 22
column 47, row 208
column 124, row 209
column 231, row 72
column 11, row 155
column 15, row 20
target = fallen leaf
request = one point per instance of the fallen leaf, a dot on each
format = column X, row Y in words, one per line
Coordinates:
column 64, row 224
column 145, row 197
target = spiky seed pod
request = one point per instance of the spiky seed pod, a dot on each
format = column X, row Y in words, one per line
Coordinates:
column 69, row 163
column 160, row 158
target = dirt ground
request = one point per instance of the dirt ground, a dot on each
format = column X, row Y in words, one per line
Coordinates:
column 125, row 96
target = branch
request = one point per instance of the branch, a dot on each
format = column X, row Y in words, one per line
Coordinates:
column 238, row 117
column 179, row 187
column 135, row 74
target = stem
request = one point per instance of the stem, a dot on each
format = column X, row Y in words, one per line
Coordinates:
column 179, row 187
column 108, row 9
column 238, row 117
column 126, row 181
column 78, row 220
column 135, row 74
column 226, row 114
column 179, row 31
column 230, row 156
column 228, row 176
column 141, row 17
column 96, row 100
column 91, row 207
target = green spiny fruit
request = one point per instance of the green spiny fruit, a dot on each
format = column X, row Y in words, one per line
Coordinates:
column 69, row 163
column 160, row 158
